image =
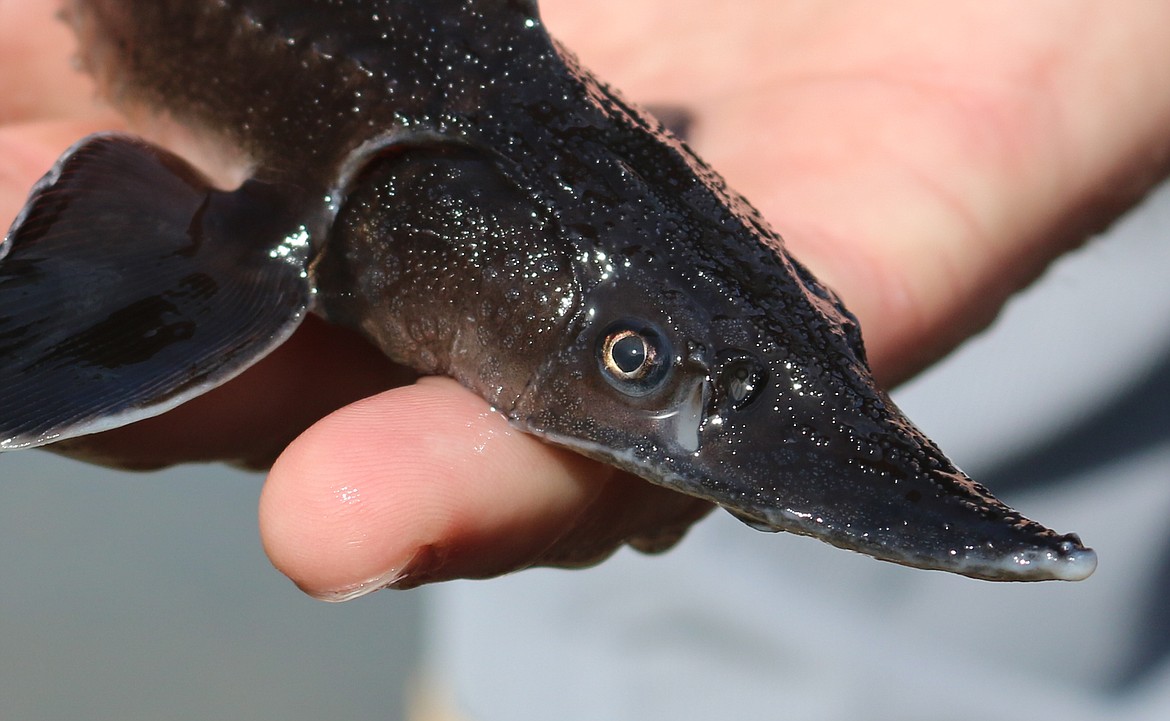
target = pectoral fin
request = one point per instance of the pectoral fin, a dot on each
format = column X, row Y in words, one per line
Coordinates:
column 128, row 285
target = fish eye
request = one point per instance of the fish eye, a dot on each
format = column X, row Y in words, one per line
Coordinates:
column 634, row 357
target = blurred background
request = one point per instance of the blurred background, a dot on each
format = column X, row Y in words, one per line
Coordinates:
column 129, row 596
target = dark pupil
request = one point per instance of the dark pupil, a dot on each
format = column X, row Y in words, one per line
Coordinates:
column 629, row 353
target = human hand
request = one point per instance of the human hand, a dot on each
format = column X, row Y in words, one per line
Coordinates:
column 925, row 160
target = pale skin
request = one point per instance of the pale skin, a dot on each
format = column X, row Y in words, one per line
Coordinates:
column 925, row 159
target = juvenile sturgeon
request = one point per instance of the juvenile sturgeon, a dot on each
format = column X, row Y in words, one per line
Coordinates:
column 445, row 178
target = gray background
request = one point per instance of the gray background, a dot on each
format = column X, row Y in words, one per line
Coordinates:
column 147, row 596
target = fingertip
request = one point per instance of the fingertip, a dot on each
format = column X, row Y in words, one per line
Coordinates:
column 416, row 484
column 332, row 513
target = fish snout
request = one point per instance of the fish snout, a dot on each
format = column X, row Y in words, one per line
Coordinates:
column 786, row 447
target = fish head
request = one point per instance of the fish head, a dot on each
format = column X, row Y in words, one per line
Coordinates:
column 705, row 359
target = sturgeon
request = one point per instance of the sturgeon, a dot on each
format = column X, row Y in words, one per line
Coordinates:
column 446, row 179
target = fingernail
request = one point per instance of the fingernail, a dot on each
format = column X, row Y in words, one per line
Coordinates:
column 358, row 590
column 417, row 570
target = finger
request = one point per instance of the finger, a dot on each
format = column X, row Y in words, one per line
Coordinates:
column 39, row 79
column 426, row 483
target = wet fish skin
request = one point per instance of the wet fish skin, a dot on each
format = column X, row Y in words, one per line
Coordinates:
column 449, row 181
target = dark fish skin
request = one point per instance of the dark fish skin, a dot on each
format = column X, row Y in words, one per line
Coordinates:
column 443, row 177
